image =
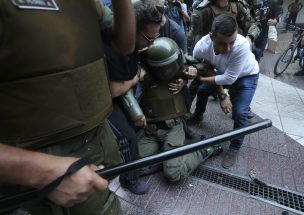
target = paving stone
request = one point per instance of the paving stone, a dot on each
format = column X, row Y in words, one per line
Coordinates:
column 223, row 204
column 237, row 204
column 267, row 209
column 143, row 200
column 159, row 196
column 169, row 201
column 211, row 203
column 126, row 207
column 296, row 152
column 253, row 206
column 275, row 169
column 198, row 203
column 287, row 173
column 184, row 199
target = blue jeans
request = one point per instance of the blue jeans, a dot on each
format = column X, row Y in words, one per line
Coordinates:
column 243, row 92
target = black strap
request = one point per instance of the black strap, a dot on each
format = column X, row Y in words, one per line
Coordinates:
column 74, row 167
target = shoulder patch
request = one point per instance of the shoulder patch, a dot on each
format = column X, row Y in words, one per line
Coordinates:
column 36, row 4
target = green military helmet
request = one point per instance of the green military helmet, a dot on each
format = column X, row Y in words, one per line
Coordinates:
column 165, row 59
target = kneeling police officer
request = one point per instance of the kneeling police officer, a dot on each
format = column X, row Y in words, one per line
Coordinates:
column 164, row 110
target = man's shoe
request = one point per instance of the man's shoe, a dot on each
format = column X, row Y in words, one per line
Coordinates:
column 229, row 159
column 250, row 114
column 299, row 73
column 137, row 186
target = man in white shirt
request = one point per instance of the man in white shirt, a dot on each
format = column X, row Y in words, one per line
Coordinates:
column 229, row 53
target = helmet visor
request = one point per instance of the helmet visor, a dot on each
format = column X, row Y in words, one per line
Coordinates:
column 165, row 72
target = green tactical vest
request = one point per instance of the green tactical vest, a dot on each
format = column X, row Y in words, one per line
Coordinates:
column 160, row 104
column 236, row 8
column 53, row 81
column 231, row 9
column 197, row 17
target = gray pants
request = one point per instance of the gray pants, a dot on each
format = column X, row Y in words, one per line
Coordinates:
column 154, row 140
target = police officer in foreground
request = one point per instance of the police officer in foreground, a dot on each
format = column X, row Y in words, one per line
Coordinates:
column 164, row 111
column 56, row 95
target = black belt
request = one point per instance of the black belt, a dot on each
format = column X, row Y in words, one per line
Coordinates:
column 164, row 124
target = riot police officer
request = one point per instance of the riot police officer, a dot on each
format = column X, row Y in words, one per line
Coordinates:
column 164, row 111
column 203, row 15
column 54, row 86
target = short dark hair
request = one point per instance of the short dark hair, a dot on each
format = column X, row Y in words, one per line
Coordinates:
column 146, row 14
column 224, row 24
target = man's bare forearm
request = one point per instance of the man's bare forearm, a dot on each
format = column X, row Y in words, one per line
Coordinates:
column 119, row 88
column 35, row 169
column 207, row 80
column 28, row 168
column 218, row 89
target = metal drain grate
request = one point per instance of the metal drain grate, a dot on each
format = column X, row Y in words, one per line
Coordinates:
column 282, row 197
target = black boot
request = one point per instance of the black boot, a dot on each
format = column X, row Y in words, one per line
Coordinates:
column 132, row 182
column 214, row 150
column 211, row 151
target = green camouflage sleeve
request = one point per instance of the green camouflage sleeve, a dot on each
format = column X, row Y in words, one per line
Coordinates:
column 201, row 20
column 247, row 22
column 195, row 27
column 254, row 31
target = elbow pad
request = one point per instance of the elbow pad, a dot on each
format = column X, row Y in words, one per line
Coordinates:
column 131, row 106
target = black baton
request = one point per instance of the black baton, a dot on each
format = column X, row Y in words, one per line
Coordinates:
column 13, row 201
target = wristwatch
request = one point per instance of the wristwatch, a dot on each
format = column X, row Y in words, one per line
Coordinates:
column 222, row 96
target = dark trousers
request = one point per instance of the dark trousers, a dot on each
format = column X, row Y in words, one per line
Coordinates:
column 126, row 136
column 292, row 18
column 261, row 42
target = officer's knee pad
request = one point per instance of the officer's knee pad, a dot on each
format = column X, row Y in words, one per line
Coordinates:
column 172, row 176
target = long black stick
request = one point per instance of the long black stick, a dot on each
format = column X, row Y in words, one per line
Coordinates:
column 18, row 199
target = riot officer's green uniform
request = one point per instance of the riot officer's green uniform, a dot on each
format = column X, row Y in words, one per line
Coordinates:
column 164, row 111
column 203, row 16
column 55, row 89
